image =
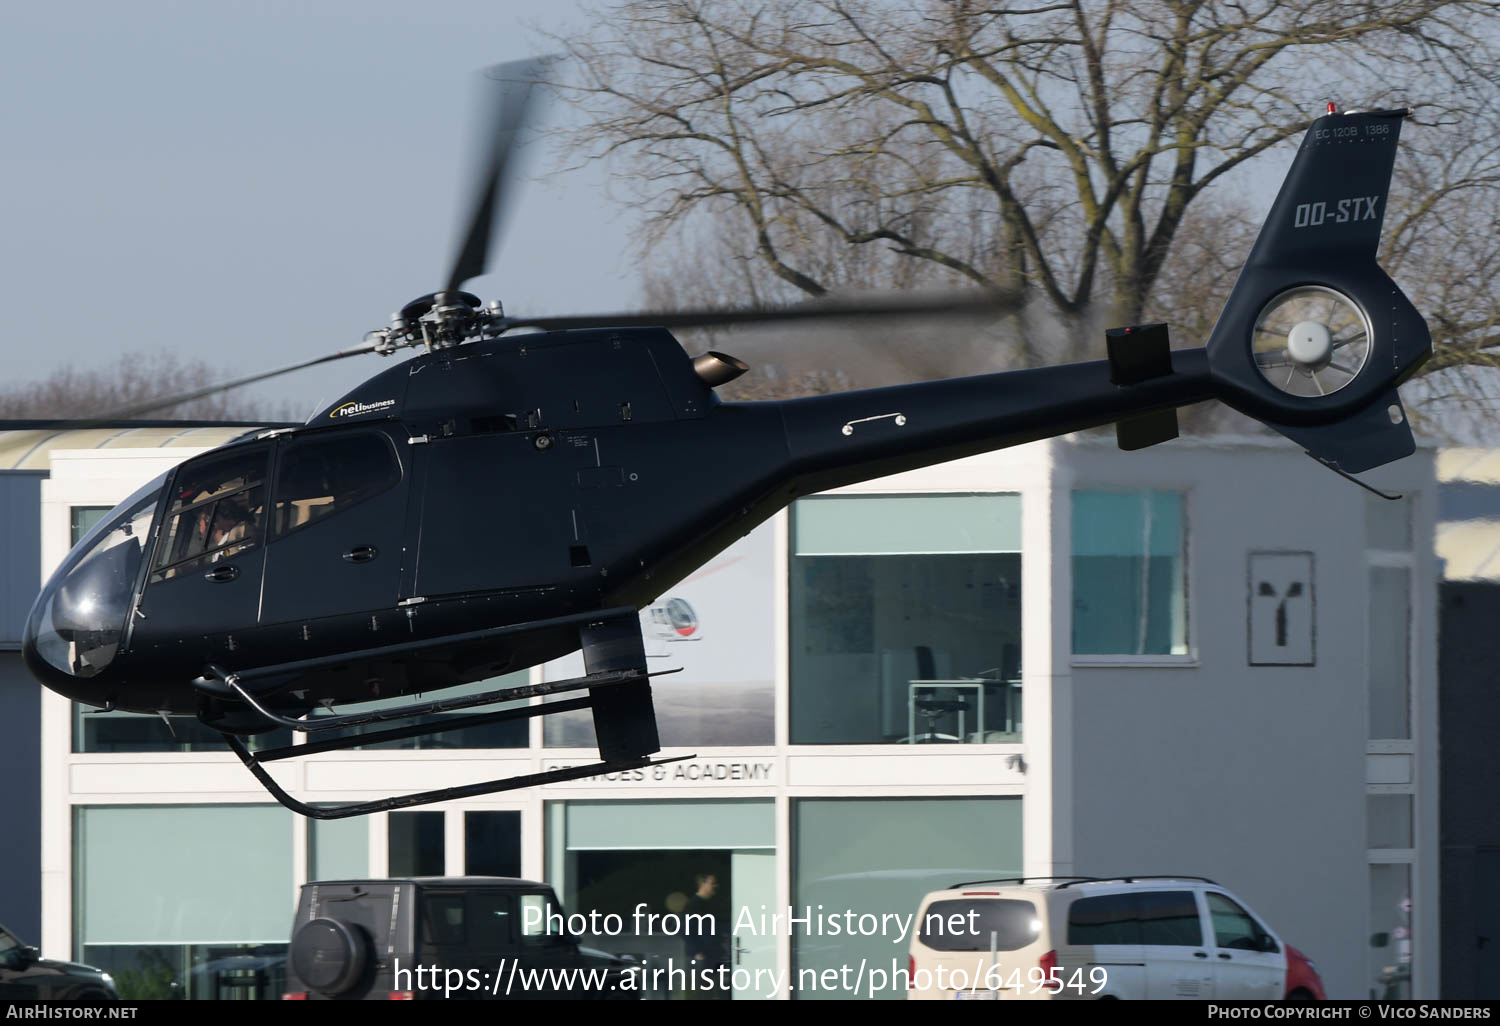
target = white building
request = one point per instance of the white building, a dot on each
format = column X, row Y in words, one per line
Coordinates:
column 1199, row 659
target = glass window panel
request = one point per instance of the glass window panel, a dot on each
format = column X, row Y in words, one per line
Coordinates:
column 1388, row 524
column 1129, row 573
column 1169, row 917
column 876, row 856
column 1389, row 652
column 714, row 626
column 492, row 843
column 506, row 734
column 197, row 972
column 95, row 730
column 415, row 844
column 871, row 525
column 661, row 825
column 1388, row 820
column 492, row 919
column 218, row 874
column 1236, row 928
column 217, row 511
column 84, row 518
column 1390, row 949
column 319, row 476
column 863, row 628
column 338, row 849
column 443, row 918
column 981, row 924
column 1105, row 919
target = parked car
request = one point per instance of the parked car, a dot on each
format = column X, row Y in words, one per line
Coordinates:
column 1081, row 938
column 438, row 937
column 25, row 975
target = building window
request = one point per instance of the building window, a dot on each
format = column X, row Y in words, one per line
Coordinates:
column 414, row 844
column 714, row 627
column 213, row 923
column 906, row 619
column 655, row 863
column 1129, row 574
column 1388, row 821
column 84, row 518
column 338, row 849
column 1390, row 652
column 505, row 734
column 492, row 844
column 1390, row 931
column 879, row 856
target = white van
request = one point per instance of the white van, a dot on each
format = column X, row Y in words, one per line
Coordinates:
column 1089, row 938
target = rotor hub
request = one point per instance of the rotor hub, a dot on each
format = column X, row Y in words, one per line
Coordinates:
column 1309, row 343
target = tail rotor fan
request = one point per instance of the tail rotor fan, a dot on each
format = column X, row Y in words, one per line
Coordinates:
column 1311, row 341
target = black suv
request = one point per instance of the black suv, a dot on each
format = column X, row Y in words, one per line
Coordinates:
column 475, row 937
column 25, row 975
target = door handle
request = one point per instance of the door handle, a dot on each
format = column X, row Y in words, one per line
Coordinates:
column 220, row 574
column 1200, row 954
column 1222, row 955
column 361, row 554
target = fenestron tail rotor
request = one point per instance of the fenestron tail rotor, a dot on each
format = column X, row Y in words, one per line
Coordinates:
column 1311, row 341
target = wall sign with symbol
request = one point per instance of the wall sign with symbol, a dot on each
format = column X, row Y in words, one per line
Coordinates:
column 1282, row 613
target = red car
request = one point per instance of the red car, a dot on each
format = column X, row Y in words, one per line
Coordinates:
column 1302, row 980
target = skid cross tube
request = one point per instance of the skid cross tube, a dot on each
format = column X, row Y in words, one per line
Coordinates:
column 376, row 737
column 406, row 801
column 594, row 680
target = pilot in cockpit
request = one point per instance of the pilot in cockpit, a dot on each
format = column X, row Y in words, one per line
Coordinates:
column 230, row 523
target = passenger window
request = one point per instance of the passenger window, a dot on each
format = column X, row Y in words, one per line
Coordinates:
column 541, row 922
column 1169, row 917
column 491, row 919
column 1235, row 928
column 321, row 476
column 1104, row 919
column 443, row 919
column 217, row 511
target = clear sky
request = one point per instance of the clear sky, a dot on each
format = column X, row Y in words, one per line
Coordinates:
column 257, row 183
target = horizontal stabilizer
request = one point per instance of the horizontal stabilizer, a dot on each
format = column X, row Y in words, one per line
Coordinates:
column 1371, row 438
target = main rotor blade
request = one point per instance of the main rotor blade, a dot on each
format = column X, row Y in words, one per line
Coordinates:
column 507, row 91
column 162, row 402
column 966, row 304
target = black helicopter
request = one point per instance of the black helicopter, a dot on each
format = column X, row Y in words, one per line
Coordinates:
column 504, row 499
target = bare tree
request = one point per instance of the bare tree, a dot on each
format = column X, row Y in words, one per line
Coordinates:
column 92, row 392
column 1061, row 149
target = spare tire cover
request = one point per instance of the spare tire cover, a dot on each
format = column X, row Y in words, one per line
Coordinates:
column 329, row 955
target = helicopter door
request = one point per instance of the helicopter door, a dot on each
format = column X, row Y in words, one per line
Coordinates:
column 206, row 571
column 338, row 516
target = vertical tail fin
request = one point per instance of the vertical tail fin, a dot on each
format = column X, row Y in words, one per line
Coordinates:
column 1315, row 336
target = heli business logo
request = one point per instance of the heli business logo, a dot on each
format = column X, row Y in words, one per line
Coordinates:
column 355, row 409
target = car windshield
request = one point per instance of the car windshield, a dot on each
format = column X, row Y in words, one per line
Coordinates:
column 80, row 616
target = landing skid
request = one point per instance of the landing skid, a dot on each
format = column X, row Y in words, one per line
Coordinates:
column 253, row 764
column 619, row 694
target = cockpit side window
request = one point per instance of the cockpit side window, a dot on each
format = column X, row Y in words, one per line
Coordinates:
column 322, row 476
column 217, row 510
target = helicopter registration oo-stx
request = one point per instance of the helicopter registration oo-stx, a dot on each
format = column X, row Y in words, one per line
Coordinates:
column 504, row 499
